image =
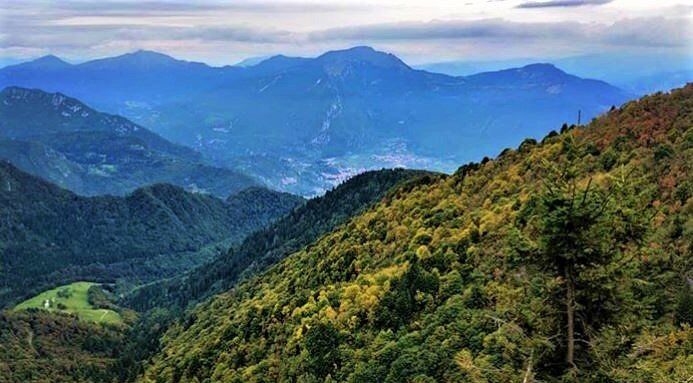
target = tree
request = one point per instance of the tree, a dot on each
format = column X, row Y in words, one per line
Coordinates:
column 322, row 348
column 573, row 233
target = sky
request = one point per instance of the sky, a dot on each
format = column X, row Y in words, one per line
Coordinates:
column 419, row 31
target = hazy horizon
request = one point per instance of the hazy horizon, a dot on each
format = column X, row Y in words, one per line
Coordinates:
column 225, row 33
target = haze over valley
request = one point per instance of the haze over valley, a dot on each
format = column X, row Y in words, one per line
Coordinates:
column 306, row 124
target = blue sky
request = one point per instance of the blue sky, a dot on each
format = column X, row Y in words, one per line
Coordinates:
column 224, row 32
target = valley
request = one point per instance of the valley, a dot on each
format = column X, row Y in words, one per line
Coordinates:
column 50, row 236
column 398, row 191
column 446, row 278
column 405, row 276
column 263, row 248
column 304, row 124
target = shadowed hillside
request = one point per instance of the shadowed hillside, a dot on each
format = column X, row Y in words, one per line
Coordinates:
column 50, row 236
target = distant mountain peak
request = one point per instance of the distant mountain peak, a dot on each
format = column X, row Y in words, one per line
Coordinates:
column 278, row 57
column 359, row 49
column 141, row 59
column 362, row 54
column 252, row 61
column 48, row 61
column 541, row 68
column 277, row 64
column 537, row 73
column 149, row 54
column 280, row 60
column 146, row 56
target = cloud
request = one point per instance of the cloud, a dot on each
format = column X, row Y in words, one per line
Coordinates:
column 633, row 32
column 456, row 29
column 650, row 32
column 562, row 3
column 245, row 34
column 219, row 29
column 87, row 36
column 477, row 37
column 66, row 8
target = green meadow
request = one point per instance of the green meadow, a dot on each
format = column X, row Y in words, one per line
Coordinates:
column 73, row 299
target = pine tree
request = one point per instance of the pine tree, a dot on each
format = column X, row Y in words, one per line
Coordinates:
column 574, row 233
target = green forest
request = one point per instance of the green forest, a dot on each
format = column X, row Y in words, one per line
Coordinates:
column 42, row 347
column 267, row 246
column 562, row 260
column 566, row 259
column 50, row 236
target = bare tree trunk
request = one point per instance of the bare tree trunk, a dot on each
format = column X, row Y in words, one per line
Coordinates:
column 570, row 316
column 528, row 373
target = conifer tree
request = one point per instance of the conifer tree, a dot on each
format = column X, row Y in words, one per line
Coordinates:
column 574, row 234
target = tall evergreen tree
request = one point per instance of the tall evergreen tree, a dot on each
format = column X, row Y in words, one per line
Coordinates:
column 582, row 227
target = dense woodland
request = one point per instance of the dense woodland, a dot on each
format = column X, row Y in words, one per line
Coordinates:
column 266, row 247
column 50, row 236
column 42, row 347
column 564, row 260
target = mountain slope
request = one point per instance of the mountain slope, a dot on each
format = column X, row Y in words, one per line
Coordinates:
column 639, row 74
column 66, row 142
column 331, row 116
column 37, row 346
column 472, row 277
column 266, row 247
column 50, row 235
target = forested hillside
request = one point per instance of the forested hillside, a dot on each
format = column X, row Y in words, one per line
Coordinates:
column 43, row 347
column 50, row 236
column 565, row 260
column 266, row 247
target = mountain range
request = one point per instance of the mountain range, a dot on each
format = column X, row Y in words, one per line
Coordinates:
column 67, row 142
column 636, row 73
column 305, row 124
column 50, row 235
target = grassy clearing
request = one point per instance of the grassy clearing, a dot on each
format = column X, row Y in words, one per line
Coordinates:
column 73, row 299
